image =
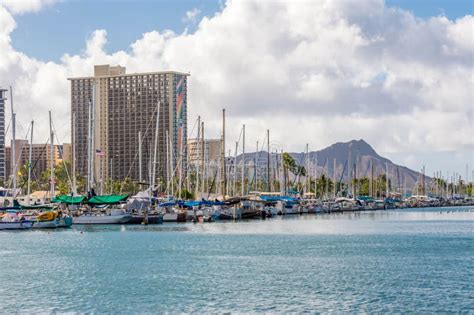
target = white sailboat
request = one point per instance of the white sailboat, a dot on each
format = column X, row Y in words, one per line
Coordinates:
column 112, row 216
column 105, row 215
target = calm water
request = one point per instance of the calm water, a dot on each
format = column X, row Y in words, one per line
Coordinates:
column 386, row 261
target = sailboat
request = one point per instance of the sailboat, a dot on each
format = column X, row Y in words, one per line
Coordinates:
column 109, row 216
column 139, row 206
column 47, row 216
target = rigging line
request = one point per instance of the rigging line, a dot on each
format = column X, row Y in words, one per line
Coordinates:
column 17, row 160
column 181, row 153
column 8, row 126
column 261, row 150
column 255, row 158
column 194, row 126
column 136, row 153
column 240, row 135
column 62, row 153
column 36, row 162
column 175, row 153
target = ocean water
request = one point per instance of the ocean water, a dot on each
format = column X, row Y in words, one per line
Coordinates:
column 398, row 261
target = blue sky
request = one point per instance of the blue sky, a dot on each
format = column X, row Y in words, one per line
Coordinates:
column 410, row 78
column 64, row 27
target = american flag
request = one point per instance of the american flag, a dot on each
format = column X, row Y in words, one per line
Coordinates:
column 99, row 152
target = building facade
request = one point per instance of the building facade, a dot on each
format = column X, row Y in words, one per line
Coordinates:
column 3, row 100
column 212, row 150
column 40, row 158
column 65, row 152
column 122, row 106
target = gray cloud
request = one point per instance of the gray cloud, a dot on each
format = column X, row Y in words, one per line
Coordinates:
column 315, row 71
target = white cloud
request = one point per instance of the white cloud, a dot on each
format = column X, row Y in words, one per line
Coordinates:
column 25, row 6
column 191, row 15
column 316, row 72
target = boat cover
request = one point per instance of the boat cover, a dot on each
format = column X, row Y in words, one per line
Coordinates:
column 68, row 199
column 47, row 216
column 41, row 207
column 107, row 199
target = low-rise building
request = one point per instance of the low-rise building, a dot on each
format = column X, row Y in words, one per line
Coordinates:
column 40, row 157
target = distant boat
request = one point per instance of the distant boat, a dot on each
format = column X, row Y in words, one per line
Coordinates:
column 64, row 221
column 104, row 215
column 221, row 214
column 51, row 219
column 113, row 216
column 285, row 207
column 140, row 218
column 140, row 207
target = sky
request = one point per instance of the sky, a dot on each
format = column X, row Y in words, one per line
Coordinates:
column 395, row 73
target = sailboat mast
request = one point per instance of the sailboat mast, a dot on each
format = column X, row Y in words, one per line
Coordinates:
column 334, row 177
column 255, row 169
column 284, row 174
column 140, row 178
column 171, row 165
column 234, row 173
column 198, row 144
column 223, row 170
column 371, row 181
column 243, row 160
column 268, row 161
column 13, row 144
column 316, row 175
column 74, row 185
column 91, row 147
column 326, row 171
column 203, row 147
column 153, row 174
column 168, row 168
column 51, row 163
column 14, row 155
column 180, row 169
column 349, row 172
column 306, row 168
column 29, row 161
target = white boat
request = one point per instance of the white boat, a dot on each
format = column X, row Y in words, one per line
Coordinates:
column 25, row 225
column 65, row 221
column 287, row 207
column 111, row 217
column 170, row 217
column 47, row 220
column 46, row 224
column 13, row 221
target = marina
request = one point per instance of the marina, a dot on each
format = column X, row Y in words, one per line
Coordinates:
column 236, row 157
column 392, row 261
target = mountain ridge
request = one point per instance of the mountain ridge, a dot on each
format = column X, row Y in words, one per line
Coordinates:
column 359, row 152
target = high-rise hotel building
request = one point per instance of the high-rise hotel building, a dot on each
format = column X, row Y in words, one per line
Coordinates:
column 124, row 106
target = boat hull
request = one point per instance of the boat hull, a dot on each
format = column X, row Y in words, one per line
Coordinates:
column 50, row 224
column 25, row 225
column 152, row 219
column 65, row 222
column 221, row 216
column 175, row 217
column 102, row 219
